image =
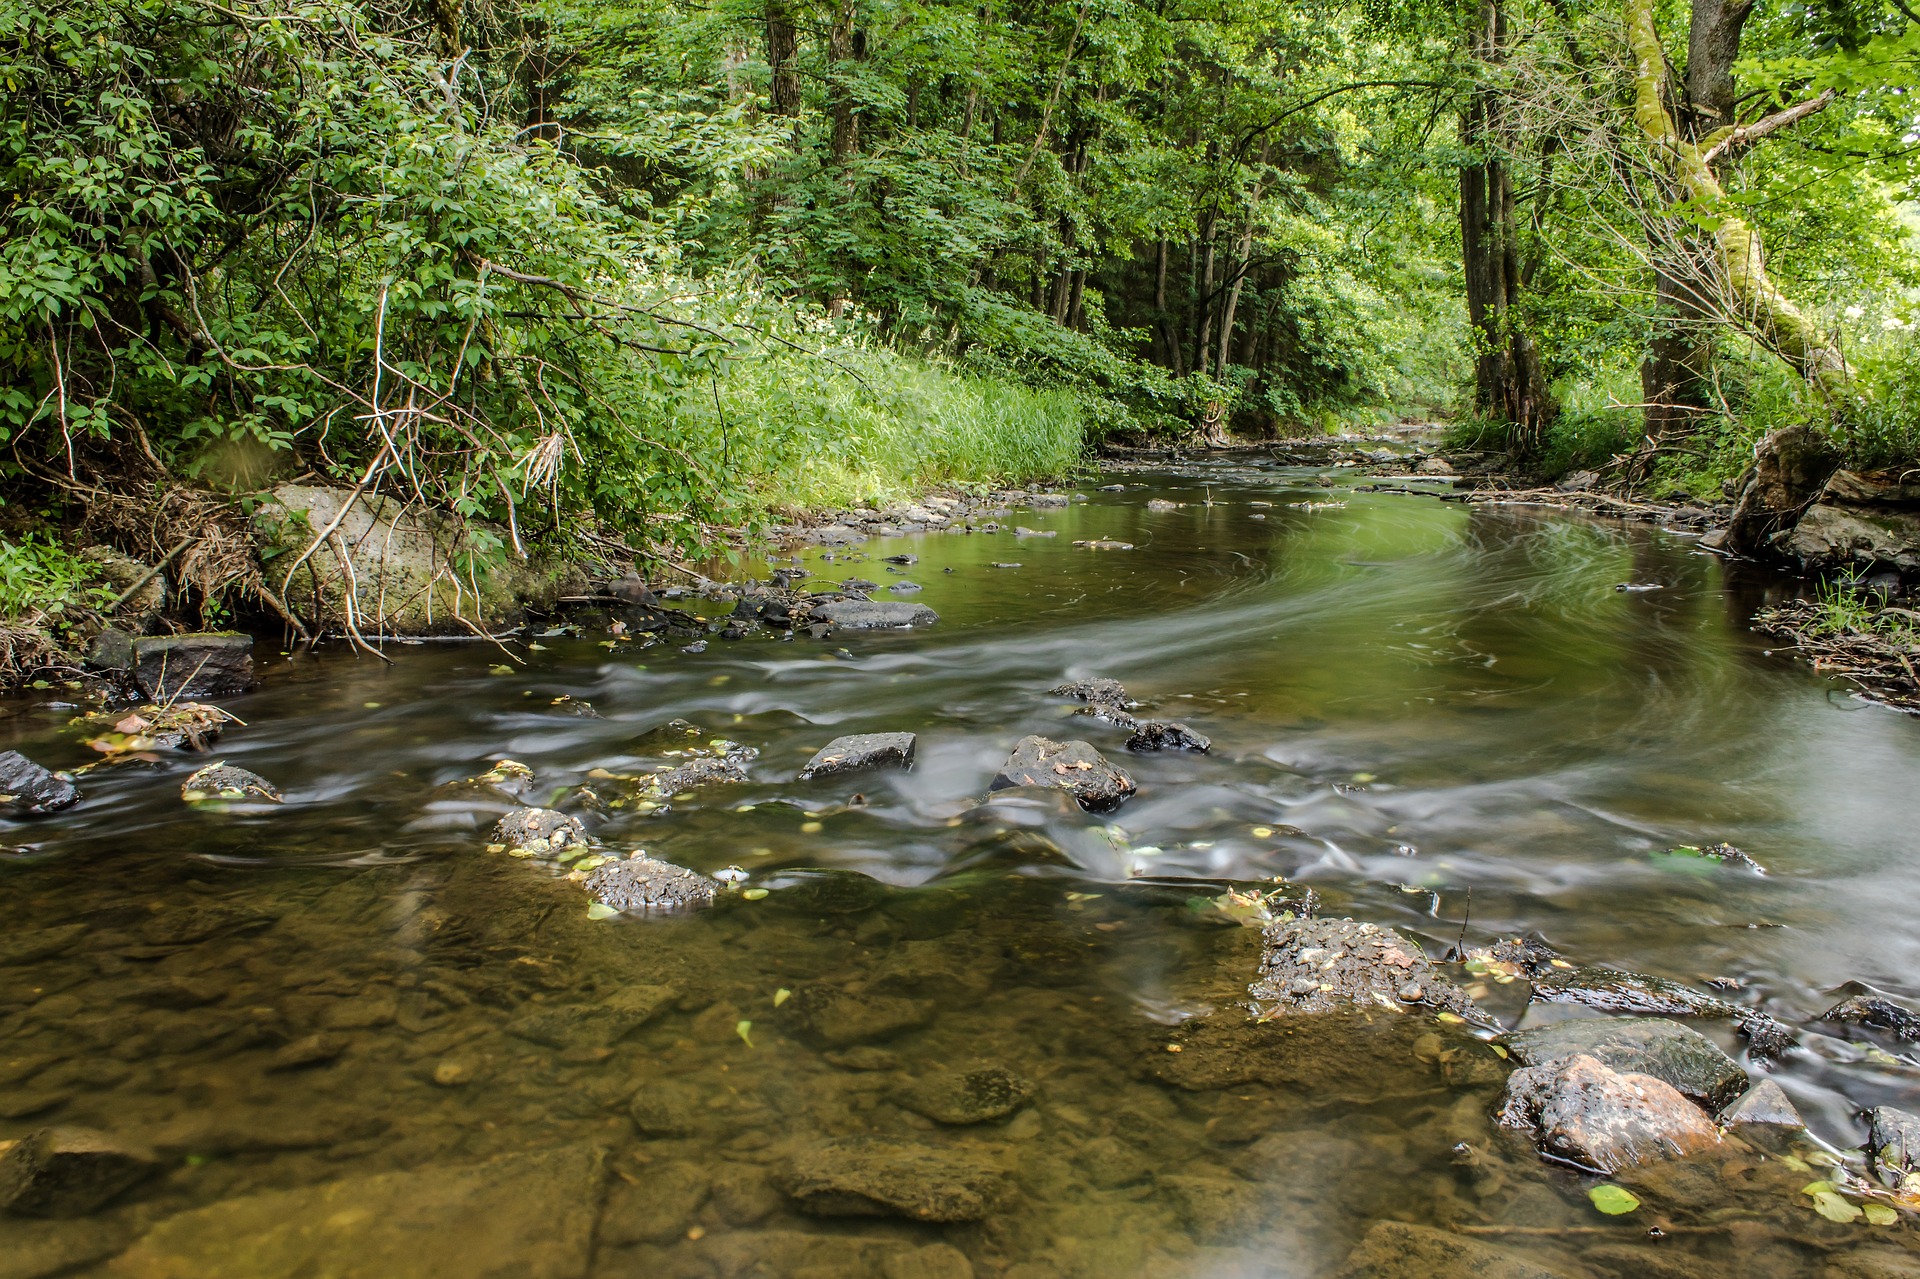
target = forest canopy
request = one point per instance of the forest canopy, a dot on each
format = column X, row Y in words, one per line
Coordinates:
column 665, row 264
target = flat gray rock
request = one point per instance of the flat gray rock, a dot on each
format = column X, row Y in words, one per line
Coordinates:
column 861, row 750
column 1678, row 1055
column 169, row 668
column 875, row 615
column 527, row 1215
column 1893, row 1142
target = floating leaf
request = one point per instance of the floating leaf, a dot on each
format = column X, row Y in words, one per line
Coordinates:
column 1796, row 1163
column 1817, row 1188
column 1263, row 832
column 809, row 828
column 754, row 894
column 600, row 910
column 499, row 670
column 781, row 996
column 1834, row 1208
column 744, row 1029
column 1615, row 1201
column 1880, row 1214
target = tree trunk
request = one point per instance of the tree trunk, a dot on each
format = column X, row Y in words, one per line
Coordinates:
column 1713, row 42
column 783, row 46
column 1509, row 384
column 1738, row 261
column 841, row 49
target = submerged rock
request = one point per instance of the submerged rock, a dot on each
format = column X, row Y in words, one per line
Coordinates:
column 874, row 615
column 645, row 885
column 1074, row 767
column 537, row 832
column 1397, row 1250
column 70, row 1172
column 860, row 750
column 26, row 789
column 1766, row 1103
column 1163, row 735
column 211, row 664
column 1617, row 991
column 1326, row 965
column 1586, row 1112
column 970, row 1095
column 881, row 1177
column 225, row 781
column 829, row 1017
column 530, row 1215
column 1677, row 1055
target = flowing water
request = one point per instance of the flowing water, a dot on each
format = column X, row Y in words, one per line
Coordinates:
column 1451, row 720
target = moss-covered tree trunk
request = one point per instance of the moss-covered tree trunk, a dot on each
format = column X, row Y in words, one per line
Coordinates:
column 1739, row 278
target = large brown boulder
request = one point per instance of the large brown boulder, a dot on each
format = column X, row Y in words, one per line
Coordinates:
column 1592, row 1115
column 1790, row 467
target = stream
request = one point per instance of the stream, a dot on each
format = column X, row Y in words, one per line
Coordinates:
column 1466, row 723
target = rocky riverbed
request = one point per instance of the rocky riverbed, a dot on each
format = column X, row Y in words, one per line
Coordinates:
column 1327, row 885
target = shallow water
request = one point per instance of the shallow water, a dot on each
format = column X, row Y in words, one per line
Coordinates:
column 1442, row 718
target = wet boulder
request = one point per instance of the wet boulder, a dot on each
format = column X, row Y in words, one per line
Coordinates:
column 1766, row 1104
column 1615, row 990
column 227, row 782
column 881, row 1177
column 644, row 885
column 1677, row 1055
column 537, row 832
column 1074, row 767
column 1876, row 1013
column 967, row 1095
column 874, row 615
column 1329, row 965
column 1095, row 692
column 1893, row 1145
column 1163, row 735
column 212, row 664
column 728, row 763
column 1581, row 1110
column 829, row 1017
column 70, row 1172
column 861, row 750
column 26, row 789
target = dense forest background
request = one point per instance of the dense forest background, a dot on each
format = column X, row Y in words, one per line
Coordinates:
column 643, row 266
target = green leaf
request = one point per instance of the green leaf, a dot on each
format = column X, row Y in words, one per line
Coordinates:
column 1615, row 1201
column 1834, row 1208
column 1880, row 1214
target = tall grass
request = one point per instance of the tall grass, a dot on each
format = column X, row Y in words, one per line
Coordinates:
column 865, row 426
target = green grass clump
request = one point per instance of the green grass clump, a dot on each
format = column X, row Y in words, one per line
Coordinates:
column 862, row 425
